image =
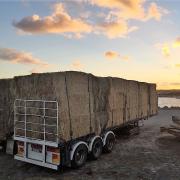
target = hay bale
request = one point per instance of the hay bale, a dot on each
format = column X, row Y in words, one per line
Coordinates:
column 6, row 108
column 143, row 100
column 117, row 101
column 77, row 90
column 153, row 99
column 133, row 99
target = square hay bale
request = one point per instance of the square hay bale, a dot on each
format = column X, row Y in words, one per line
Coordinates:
column 6, row 108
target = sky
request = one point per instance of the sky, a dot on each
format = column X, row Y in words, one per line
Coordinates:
column 131, row 39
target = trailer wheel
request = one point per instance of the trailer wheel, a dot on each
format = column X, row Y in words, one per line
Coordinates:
column 80, row 156
column 3, row 146
column 96, row 149
column 110, row 141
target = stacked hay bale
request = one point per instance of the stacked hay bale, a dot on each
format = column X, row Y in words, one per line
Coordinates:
column 153, row 100
column 87, row 104
column 133, row 99
column 6, row 108
column 143, row 100
column 117, row 101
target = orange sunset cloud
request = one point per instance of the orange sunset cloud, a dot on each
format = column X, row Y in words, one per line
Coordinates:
column 58, row 22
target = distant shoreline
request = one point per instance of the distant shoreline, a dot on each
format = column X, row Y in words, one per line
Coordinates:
column 168, row 93
column 170, row 96
column 177, row 97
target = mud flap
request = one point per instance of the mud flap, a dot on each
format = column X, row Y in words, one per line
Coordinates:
column 10, row 146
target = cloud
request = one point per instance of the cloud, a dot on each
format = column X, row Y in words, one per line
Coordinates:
column 177, row 65
column 165, row 50
column 155, row 12
column 111, row 55
column 124, row 5
column 115, row 29
column 132, row 9
column 168, row 85
column 77, row 65
column 121, row 11
column 176, row 43
column 14, row 56
column 115, row 24
column 125, row 58
column 168, row 48
column 175, row 84
column 59, row 22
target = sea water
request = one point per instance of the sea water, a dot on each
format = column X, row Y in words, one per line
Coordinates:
column 168, row 101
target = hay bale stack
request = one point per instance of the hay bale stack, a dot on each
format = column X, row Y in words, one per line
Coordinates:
column 87, row 104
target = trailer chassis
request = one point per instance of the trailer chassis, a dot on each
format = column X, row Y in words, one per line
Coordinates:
column 55, row 154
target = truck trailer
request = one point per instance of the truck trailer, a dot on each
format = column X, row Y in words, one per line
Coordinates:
column 62, row 118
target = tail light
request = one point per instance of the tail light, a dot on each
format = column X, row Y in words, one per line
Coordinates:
column 20, row 148
column 53, row 155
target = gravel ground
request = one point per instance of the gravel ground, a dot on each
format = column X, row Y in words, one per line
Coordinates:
column 149, row 155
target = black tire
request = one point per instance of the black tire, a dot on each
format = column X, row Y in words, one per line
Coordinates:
column 96, row 149
column 110, row 141
column 80, row 156
column 3, row 146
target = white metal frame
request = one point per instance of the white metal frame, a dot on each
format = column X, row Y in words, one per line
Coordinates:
column 26, row 139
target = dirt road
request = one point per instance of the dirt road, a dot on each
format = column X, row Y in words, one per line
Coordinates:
column 149, row 155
